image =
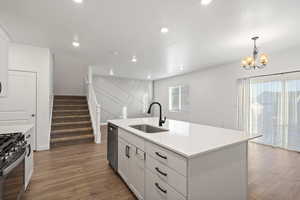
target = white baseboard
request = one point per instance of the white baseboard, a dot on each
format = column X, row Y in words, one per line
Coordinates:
column 43, row 148
column 97, row 140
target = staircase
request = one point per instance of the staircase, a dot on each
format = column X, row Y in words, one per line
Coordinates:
column 71, row 122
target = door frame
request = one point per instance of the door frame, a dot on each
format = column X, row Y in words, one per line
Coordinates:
column 36, row 100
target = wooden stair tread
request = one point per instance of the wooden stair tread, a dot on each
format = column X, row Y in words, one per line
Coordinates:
column 70, row 116
column 68, row 97
column 69, row 130
column 70, row 100
column 70, row 105
column 75, row 101
column 73, row 108
column 70, row 123
column 82, row 110
column 72, row 138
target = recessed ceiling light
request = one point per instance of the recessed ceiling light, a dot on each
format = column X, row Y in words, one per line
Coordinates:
column 149, row 77
column 181, row 68
column 75, row 44
column 164, row 30
column 78, row 1
column 134, row 59
column 111, row 72
column 206, row 2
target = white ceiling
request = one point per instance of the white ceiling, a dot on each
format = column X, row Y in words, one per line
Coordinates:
column 199, row 36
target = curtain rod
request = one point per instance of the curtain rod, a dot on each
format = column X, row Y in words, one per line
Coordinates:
column 281, row 73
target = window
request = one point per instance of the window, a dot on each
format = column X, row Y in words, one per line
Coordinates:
column 178, row 98
column 271, row 106
column 174, row 99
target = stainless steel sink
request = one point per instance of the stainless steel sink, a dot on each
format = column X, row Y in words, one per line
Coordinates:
column 148, row 129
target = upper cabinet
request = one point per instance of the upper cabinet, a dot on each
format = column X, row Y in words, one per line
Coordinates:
column 4, row 43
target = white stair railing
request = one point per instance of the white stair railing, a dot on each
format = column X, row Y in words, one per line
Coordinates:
column 94, row 107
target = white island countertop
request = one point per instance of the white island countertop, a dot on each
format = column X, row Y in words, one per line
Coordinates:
column 185, row 138
column 23, row 128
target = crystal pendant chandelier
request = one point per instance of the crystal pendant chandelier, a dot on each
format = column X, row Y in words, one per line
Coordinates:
column 250, row 62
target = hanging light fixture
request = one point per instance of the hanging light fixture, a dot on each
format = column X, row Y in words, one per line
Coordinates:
column 250, row 62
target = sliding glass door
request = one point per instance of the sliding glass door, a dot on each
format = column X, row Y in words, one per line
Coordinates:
column 293, row 115
column 266, row 108
column 274, row 109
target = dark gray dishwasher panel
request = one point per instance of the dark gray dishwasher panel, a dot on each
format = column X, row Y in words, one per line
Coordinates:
column 112, row 146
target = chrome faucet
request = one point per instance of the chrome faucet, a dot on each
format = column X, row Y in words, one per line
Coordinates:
column 161, row 121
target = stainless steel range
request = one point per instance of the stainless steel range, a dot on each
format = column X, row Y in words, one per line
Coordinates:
column 12, row 166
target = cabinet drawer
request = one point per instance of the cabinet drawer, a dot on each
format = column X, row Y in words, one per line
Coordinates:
column 157, row 189
column 168, row 175
column 132, row 139
column 172, row 160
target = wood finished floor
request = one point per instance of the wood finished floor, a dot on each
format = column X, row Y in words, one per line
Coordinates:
column 81, row 172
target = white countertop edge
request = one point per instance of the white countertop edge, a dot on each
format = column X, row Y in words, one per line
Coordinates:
column 217, row 148
column 23, row 128
column 187, row 156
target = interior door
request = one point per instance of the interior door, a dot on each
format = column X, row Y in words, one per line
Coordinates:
column 19, row 105
column 3, row 65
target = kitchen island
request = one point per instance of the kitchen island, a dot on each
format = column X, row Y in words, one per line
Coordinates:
column 182, row 160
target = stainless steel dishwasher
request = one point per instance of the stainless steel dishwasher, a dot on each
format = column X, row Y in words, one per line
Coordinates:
column 112, row 146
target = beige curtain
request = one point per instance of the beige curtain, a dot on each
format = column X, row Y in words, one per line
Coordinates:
column 270, row 105
column 243, row 104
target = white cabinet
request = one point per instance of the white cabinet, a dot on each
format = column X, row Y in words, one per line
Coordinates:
column 131, row 167
column 154, row 172
column 158, row 189
column 132, row 162
column 4, row 42
column 167, row 175
column 137, row 167
column 168, row 158
column 124, row 160
column 29, row 156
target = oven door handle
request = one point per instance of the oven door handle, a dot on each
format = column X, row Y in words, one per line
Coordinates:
column 29, row 150
column 13, row 165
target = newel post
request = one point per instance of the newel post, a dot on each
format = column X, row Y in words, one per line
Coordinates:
column 98, row 130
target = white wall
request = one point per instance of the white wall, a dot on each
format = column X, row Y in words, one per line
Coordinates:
column 213, row 91
column 69, row 73
column 51, row 85
column 4, row 41
column 35, row 59
column 113, row 93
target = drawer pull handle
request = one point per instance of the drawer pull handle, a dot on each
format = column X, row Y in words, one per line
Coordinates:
column 164, row 191
column 29, row 150
column 164, row 157
column 159, row 171
column 127, row 151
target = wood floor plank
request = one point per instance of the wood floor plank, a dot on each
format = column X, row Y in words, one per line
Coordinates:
column 77, row 172
column 81, row 172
